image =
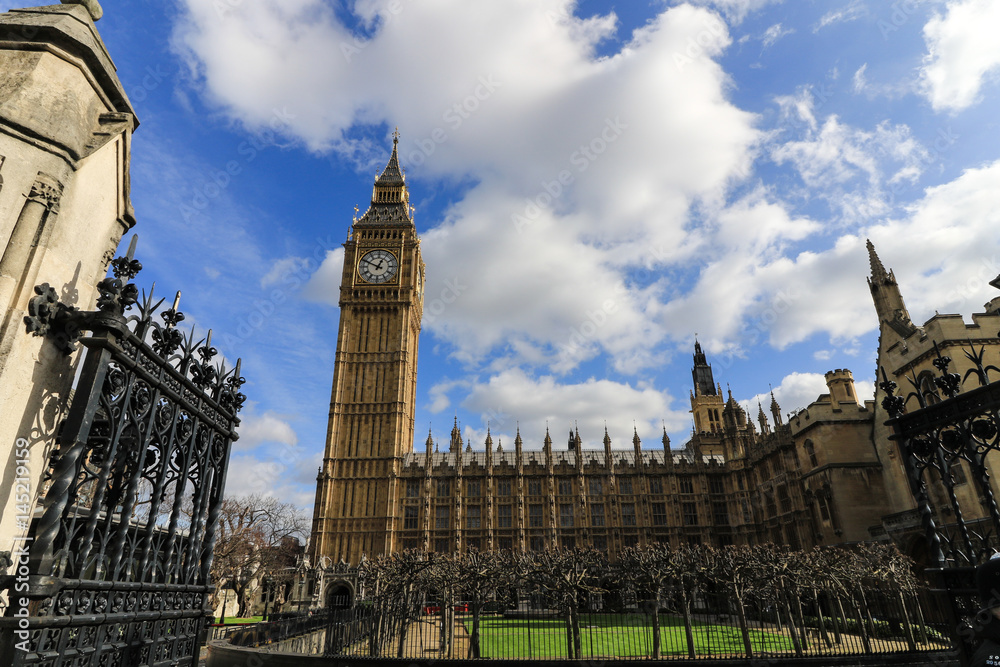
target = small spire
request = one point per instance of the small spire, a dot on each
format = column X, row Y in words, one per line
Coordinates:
column 879, row 274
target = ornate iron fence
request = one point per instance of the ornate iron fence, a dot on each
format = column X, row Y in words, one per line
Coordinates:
column 119, row 553
column 950, row 432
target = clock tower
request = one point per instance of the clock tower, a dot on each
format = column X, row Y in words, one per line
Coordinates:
column 374, row 378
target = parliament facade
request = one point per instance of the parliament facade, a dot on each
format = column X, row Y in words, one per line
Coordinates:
column 825, row 474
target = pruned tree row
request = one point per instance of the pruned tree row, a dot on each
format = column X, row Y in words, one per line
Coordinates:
column 808, row 596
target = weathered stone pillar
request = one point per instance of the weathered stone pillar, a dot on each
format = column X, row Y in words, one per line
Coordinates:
column 65, row 138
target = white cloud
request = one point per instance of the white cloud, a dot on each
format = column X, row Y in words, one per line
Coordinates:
column 963, row 53
column 860, row 83
column 267, row 428
column 774, row 33
column 735, row 10
column 797, row 391
column 285, row 271
column 850, row 12
column 561, row 142
column 512, row 397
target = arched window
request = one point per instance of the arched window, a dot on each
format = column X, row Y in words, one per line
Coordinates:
column 811, row 453
column 928, row 390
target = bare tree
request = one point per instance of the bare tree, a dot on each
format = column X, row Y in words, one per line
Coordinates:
column 257, row 536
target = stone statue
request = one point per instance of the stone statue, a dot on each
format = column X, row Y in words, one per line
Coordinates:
column 93, row 6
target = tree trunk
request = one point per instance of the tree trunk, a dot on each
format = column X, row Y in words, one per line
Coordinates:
column 801, row 622
column 656, row 630
column 911, row 640
column 862, row 628
column 741, row 612
column 474, row 640
column 792, row 630
column 820, row 618
column 577, row 643
column 569, row 634
column 839, row 621
column 688, row 632
column 921, row 622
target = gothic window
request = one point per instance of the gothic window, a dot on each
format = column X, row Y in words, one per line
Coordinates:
column 659, row 514
column 824, row 508
column 690, row 511
column 600, row 542
column 473, row 514
column 444, row 488
column 569, row 542
column 628, row 514
column 739, row 482
column 597, row 516
column 505, row 543
column 720, row 514
column 410, row 518
column 596, row 487
column 791, row 459
column 566, row 515
column 687, row 486
column 625, row 486
column 441, row 517
column 565, row 487
column 747, row 518
column 791, row 537
column 411, row 544
column 784, row 499
column 811, row 453
column 958, row 473
column 655, row 485
column 412, row 488
column 503, row 487
column 534, row 487
column 630, row 540
column 535, row 516
column 504, row 518
column 537, row 543
column 769, row 502
column 472, row 543
column 725, row 540
column 473, row 488
column 716, row 485
column 928, row 390
column 441, row 545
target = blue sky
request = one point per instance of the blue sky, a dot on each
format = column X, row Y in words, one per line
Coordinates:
column 595, row 183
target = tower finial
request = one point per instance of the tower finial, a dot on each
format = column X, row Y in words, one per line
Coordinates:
column 879, row 274
column 395, row 136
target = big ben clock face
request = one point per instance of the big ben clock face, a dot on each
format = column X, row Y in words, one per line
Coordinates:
column 378, row 266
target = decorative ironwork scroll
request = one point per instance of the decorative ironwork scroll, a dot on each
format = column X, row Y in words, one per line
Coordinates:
column 945, row 443
column 121, row 552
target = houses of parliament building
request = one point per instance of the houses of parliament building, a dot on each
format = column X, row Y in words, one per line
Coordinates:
column 827, row 474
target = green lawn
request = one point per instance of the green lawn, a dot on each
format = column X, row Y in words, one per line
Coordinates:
column 252, row 619
column 609, row 635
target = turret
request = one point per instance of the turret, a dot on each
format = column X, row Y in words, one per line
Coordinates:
column 887, row 297
column 765, row 428
column 456, row 438
column 775, row 411
column 841, row 385
column 701, row 373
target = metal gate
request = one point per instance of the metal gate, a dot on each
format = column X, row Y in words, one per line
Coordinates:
column 944, row 443
column 119, row 552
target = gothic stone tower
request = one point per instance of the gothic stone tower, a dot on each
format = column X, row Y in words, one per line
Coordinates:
column 374, row 378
